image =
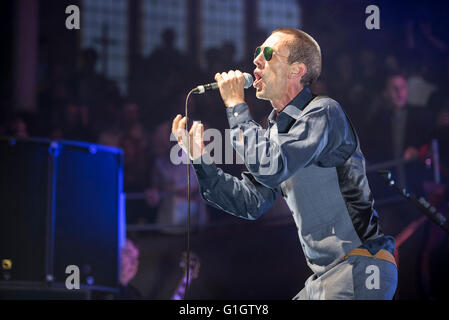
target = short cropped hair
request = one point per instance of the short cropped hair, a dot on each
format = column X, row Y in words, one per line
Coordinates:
column 303, row 48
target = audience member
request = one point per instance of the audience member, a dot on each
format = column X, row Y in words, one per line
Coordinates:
column 169, row 182
column 129, row 266
column 75, row 123
column 397, row 130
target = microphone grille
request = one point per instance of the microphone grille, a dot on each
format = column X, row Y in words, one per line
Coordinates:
column 248, row 80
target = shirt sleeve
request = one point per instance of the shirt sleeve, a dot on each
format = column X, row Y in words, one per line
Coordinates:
column 321, row 135
column 245, row 198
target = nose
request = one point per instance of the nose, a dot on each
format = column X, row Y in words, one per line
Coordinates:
column 259, row 60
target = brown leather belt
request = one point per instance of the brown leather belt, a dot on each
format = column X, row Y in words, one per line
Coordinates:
column 382, row 254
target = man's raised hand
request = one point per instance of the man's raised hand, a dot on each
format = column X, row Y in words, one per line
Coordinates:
column 195, row 136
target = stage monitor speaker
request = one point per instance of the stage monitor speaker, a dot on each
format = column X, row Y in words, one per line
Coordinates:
column 62, row 204
column 24, row 174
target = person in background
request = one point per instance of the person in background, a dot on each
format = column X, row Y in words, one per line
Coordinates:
column 439, row 104
column 194, row 269
column 129, row 267
column 397, row 131
column 75, row 123
column 18, row 127
column 169, row 188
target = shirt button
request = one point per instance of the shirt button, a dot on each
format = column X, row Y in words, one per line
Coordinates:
column 236, row 114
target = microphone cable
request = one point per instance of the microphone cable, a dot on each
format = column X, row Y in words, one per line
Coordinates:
column 188, row 197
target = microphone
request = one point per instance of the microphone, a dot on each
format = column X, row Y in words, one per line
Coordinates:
column 214, row 86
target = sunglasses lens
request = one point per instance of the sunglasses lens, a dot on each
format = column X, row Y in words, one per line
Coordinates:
column 268, row 53
column 257, row 52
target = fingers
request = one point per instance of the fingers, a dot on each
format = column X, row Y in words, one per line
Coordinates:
column 239, row 75
column 194, row 138
column 182, row 123
column 179, row 123
column 196, row 132
column 178, row 129
column 231, row 85
column 193, row 130
column 201, row 130
column 227, row 76
column 197, row 128
column 175, row 123
column 182, row 136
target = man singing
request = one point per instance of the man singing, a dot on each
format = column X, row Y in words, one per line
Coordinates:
column 311, row 155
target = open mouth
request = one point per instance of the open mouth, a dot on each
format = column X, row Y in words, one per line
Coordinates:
column 257, row 81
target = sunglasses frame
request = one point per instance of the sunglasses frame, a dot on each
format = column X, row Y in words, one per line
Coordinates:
column 266, row 51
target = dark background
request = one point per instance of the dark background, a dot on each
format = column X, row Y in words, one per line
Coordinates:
column 239, row 259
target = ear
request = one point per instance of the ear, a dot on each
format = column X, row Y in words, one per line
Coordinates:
column 297, row 70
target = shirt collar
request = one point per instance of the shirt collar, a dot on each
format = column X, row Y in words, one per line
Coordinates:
column 295, row 107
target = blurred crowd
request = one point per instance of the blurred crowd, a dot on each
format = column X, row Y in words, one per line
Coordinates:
column 398, row 101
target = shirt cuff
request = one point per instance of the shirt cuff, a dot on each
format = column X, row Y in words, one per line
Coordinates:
column 204, row 167
column 238, row 114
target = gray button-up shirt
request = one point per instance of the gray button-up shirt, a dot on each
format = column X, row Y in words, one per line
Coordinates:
column 310, row 153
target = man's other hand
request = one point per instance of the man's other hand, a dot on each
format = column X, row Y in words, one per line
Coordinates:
column 195, row 136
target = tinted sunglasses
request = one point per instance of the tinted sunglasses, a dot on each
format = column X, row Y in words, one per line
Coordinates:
column 267, row 53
